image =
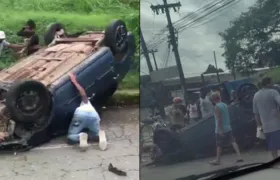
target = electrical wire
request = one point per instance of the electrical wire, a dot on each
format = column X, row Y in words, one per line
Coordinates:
column 225, row 3
column 201, row 9
column 181, row 27
column 164, row 59
column 213, row 17
column 167, row 57
column 221, row 8
column 170, row 60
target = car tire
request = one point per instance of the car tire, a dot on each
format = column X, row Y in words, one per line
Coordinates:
column 245, row 93
column 18, row 108
column 50, row 33
column 116, row 36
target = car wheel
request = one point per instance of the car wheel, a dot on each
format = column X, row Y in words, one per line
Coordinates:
column 27, row 101
column 246, row 92
column 50, row 33
column 116, row 36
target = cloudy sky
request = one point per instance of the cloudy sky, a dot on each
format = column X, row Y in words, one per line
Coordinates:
column 196, row 45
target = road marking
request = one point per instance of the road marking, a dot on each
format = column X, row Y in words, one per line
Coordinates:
column 60, row 146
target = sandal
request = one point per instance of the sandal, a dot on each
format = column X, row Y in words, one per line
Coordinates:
column 215, row 163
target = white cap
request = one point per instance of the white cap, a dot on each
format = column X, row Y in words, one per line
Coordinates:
column 2, row 35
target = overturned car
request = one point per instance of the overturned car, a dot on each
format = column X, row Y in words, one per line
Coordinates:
column 37, row 96
column 198, row 139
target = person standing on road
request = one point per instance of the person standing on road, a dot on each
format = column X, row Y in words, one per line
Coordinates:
column 233, row 97
column 266, row 104
column 223, row 128
column 206, row 106
column 193, row 111
column 177, row 113
column 85, row 117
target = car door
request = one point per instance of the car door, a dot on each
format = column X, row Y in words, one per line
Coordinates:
column 95, row 74
column 100, row 74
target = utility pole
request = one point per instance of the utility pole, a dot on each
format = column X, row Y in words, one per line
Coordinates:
column 145, row 51
column 217, row 71
column 153, row 51
column 173, row 40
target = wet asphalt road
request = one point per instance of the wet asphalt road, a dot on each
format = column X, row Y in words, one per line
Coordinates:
column 58, row 161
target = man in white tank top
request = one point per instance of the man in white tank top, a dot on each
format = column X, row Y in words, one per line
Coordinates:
column 206, row 106
column 85, row 117
column 193, row 111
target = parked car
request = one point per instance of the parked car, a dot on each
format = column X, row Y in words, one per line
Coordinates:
column 37, row 95
column 198, row 139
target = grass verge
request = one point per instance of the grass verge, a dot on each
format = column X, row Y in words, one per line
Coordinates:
column 13, row 20
column 125, row 97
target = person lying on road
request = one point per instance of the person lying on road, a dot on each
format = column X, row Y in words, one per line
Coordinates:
column 6, row 44
column 85, row 117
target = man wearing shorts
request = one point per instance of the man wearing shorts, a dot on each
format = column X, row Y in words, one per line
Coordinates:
column 85, row 117
column 266, row 104
column 223, row 129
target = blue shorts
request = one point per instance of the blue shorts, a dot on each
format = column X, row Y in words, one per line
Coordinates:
column 273, row 140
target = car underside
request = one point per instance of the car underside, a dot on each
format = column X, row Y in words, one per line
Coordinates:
column 29, row 88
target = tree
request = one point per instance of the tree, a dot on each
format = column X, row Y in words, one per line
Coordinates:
column 251, row 40
column 212, row 69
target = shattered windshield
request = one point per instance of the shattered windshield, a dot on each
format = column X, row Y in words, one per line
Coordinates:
column 210, row 75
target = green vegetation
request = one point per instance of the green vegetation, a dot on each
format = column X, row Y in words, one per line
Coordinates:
column 251, row 40
column 274, row 74
column 125, row 97
column 75, row 15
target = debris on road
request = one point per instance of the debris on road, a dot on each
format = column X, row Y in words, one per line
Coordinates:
column 116, row 171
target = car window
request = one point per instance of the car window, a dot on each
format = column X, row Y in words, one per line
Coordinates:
column 229, row 47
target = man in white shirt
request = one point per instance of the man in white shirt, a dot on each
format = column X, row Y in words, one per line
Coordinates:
column 193, row 111
column 6, row 44
column 85, row 117
column 206, row 106
column 3, row 42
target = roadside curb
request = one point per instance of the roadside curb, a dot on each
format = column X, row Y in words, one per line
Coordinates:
column 125, row 98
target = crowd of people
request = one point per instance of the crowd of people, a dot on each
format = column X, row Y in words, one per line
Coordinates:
column 266, row 104
column 31, row 39
column 178, row 113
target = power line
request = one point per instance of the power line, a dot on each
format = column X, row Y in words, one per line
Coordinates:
column 185, row 17
column 223, row 7
column 198, row 19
